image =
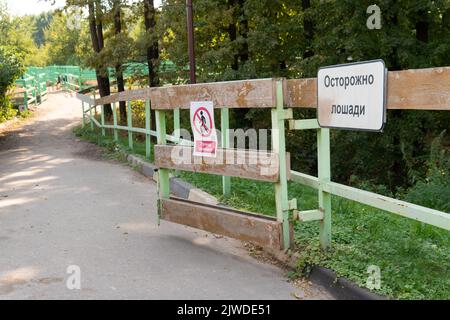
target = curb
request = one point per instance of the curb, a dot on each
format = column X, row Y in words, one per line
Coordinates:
column 178, row 187
column 340, row 288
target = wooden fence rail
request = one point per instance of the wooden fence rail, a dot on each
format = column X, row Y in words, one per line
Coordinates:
column 424, row 89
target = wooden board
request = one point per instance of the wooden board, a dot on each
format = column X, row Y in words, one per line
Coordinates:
column 420, row 89
column 425, row 89
column 259, row 93
column 85, row 99
column 264, row 231
column 256, row 165
column 130, row 95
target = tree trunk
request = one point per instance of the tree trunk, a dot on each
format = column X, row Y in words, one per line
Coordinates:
column 152, row 51
column 422, row 27
column 243, row 31
column 96, row 31
column 232, row 33
column 308, row 29
column 118, row 67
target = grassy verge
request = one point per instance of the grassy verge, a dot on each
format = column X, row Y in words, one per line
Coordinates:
column 414, row 258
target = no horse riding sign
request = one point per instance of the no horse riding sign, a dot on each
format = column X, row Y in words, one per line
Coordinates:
column 202, row 123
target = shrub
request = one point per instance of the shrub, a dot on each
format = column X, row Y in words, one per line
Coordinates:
column 434, row 190
column 11, row 67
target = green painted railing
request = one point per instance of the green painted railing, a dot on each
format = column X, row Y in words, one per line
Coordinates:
column 292, row 94
column 90, row 109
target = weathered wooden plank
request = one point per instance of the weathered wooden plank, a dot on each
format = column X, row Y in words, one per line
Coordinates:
column 264, row 231
column 85, row 99
column 257, row 165
column 420, row 89
column 129, row 95
column 425, row 89
column 258, row 93
column 301, row 93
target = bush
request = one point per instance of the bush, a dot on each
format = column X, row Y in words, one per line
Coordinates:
column 434, row 190
column 11, row 67
column 6, row 108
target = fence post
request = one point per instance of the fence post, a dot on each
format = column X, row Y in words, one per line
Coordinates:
column 130, row 125
column 147, row 128
column 163, row 174
column 176, row 123
column 25, row 99
column 279, row 147
column 90, row 117
column 83, row 121
column 324, row 175
column 224, row 126
column 33, row 83
column 102, row 117
column 116, row 136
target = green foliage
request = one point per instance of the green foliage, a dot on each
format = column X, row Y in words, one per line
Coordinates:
column 11, row 67
column 6, row 109
column 434, row 190
column 413, row 257
column 62, row 43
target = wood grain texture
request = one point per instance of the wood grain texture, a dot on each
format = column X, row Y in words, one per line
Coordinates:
column 256, row 165
column 85, row 99
column 130, row 95
column 424, row 89
column 258, row 93
column 263, row 231
column 417, row 89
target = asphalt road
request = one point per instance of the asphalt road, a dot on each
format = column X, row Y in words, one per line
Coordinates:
column 62, row 205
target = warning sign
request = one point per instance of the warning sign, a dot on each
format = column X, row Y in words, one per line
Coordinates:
column 202, row 123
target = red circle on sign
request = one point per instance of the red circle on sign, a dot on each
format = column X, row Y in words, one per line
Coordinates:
column 210, row 122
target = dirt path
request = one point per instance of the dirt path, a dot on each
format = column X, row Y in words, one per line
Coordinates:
column 62, row 205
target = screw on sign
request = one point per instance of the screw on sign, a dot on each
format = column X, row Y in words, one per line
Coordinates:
column 202, row 123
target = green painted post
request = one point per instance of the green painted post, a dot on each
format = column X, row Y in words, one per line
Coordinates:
column 116, row 136
column 25, row 98
column 34, row 91
column 37, row 85
column 176, row 123
column 163, row 174
column 148, row 145
column 90, row 117
column 102, row 118
column 279, row 146
column 130, row 125
column 224, row 126
column 83, row 121
column 324, row 173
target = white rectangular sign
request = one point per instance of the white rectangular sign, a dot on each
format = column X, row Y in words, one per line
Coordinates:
column 203, row 127
column 352, row 96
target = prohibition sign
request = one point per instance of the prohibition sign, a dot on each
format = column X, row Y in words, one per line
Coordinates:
column 200, row 114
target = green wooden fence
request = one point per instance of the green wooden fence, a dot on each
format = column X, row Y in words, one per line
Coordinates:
column 412, row 89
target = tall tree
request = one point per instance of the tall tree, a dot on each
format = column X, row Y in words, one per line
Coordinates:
column 152, row 48
column 118, row 66
column 96, row 31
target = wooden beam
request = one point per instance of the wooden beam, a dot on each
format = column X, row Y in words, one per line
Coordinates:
column 425, row 89
column 85, row 99
column 130, row 95
column 261, row 230
column 417, row 89
column 256, row 165
column 258, row 93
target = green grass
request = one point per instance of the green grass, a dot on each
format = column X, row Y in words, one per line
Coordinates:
column 414, row 258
